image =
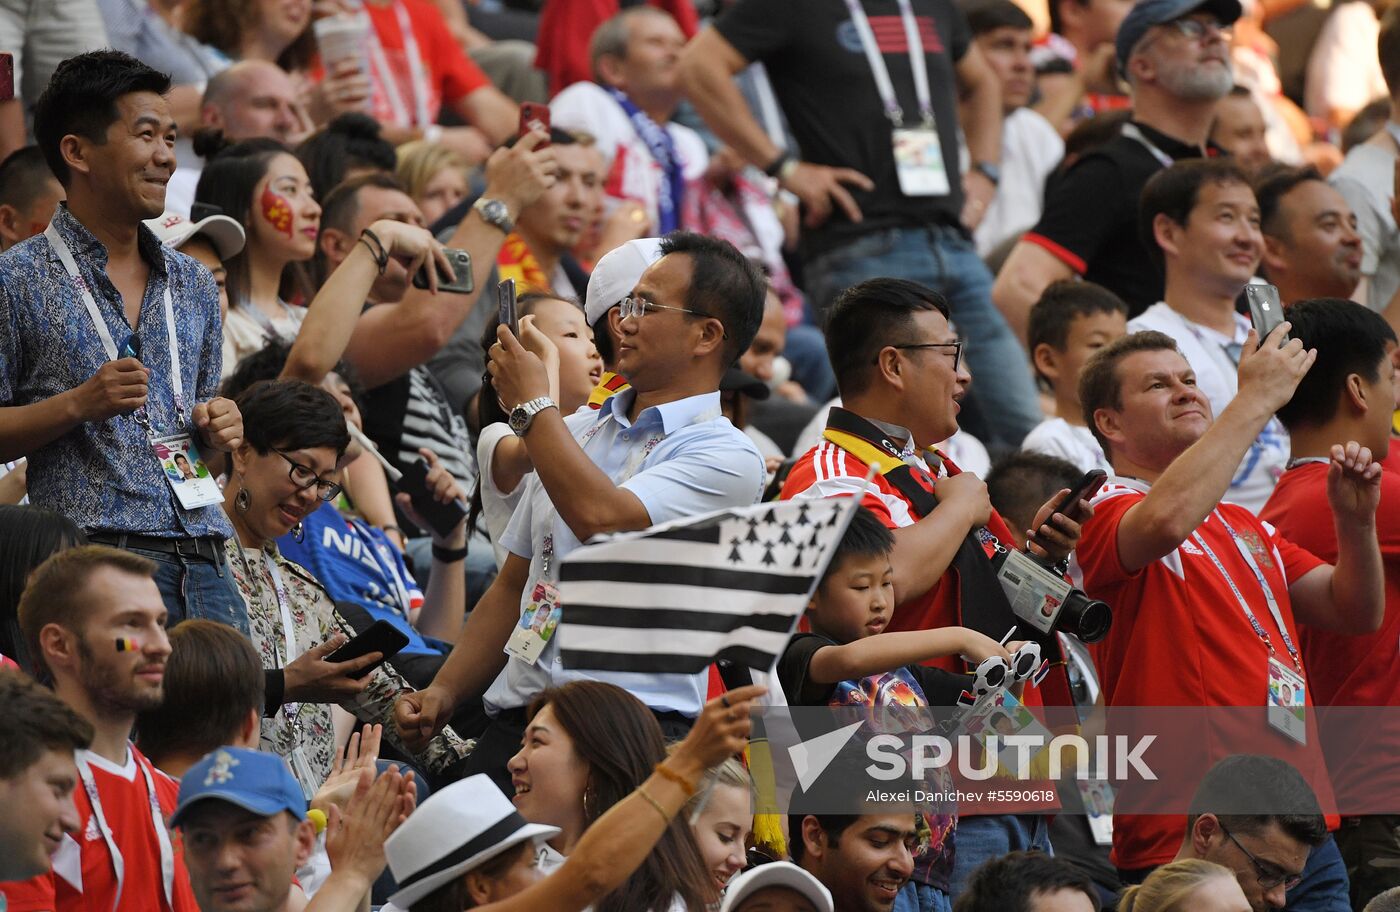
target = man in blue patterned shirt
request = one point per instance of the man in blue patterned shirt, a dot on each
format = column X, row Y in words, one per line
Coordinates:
column 110, row 343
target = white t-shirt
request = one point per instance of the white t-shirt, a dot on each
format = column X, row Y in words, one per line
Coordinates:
column 1344, row 69
column 1217, row 377
column 1057, row 437
column 1030, row 150
column 243, row 334
column 632, row 174
column 496, row 506
column 1366, row 178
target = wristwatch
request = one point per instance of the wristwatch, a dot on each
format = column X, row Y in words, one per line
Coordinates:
column 523, row 415
column 494, row 212
column 989, row 170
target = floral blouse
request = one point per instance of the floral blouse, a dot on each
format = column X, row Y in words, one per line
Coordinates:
column 316, row 620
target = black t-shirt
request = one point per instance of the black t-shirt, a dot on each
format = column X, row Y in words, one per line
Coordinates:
column 940, row 687
column 1090, row 222
column 822, row 79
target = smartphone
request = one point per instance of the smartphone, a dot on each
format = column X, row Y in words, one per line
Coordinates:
column 505, row 304
column 7, row 76
column 535, row 116
column 461, row 282
column 381, row 637
column 1085, row 488
column 1265, row 309
column 443, row 518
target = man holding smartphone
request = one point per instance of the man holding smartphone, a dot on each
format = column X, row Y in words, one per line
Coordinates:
column 655, row 452
column 1205, row 221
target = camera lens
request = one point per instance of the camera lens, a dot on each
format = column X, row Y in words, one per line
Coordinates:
column 1086, row 618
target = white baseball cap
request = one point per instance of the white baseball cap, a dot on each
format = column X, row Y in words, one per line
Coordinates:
column 775, row 874
column 456, row 829
column 616, row 274
column 223, row 232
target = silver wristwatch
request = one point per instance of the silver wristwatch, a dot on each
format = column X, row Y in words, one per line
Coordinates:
column 494, row 212
column 524, row 414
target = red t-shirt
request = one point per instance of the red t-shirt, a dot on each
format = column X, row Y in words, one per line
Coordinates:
column 1351, row 670
column 126, row 807
column 451, row 74
column 1180, row 639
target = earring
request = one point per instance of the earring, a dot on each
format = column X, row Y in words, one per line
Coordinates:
column 242, row 500
column 587, row 812
column 298, row 532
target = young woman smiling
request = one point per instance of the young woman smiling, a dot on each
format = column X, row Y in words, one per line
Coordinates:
column 262, row 186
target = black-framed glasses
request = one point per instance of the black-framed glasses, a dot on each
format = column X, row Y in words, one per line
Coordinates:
column 305, row 477
column 957, row 348
column 634, row 306
column 1269, row 875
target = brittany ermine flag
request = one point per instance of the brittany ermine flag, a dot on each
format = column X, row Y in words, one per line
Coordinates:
column 678, row 596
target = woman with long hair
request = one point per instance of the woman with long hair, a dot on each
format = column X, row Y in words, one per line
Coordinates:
column 557, row 331
column 261, row 185
column 725, row 821
column 436, row 177
column 28, row 537
column 465, row 848
column 1191, row 885
column 587, row 746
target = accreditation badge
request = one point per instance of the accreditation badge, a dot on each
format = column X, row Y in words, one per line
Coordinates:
column 918, row 160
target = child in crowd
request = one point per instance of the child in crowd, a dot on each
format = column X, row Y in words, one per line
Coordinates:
column 847, row 660
column 1019, row 478
column 1068, row 324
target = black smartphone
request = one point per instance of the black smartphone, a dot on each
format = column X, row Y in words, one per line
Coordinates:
column 1085, row 488
column 1265, row 309
column 442, row 517
column 505, row 304
column 381, row 637
column 461, row 281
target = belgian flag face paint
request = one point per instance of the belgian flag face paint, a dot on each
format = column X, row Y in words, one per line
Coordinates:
column 127, row 644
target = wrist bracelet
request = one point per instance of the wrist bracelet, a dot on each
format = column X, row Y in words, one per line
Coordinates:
column 381, row 259
column 449, row 555
column 776, row 165
column 665, row 772
column 642, row 790
column 394, row 529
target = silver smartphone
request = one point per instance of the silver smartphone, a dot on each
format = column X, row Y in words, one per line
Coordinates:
column 1265, row 309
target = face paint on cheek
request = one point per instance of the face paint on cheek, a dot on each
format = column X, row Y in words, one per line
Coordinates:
column 127, row 644
column 277, row 209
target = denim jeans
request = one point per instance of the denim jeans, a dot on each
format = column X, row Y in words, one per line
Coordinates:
column 917, row 897
column 945, row 260
column 194, row 588
column 980, row 839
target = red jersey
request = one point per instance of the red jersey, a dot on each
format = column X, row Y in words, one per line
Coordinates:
column 1180, row 639
column 84, row 878
column 827, row 470
column 1350, row 670
column 449, row 74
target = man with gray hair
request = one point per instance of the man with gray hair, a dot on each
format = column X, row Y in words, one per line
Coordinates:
column 252, row 99
column 629, row 108
column 1176, row 56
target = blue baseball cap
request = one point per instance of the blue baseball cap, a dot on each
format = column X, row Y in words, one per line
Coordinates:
column 1149, row 13
column 255, row 781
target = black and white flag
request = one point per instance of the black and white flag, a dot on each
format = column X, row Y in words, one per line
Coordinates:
column 676, row 597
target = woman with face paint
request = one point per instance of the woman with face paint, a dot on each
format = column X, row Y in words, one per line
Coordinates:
column 261, row 185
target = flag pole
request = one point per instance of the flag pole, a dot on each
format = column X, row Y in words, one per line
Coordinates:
column 712, row 779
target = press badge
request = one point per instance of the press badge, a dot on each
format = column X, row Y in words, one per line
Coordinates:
column 537, row 624
column 1097, row 797
column 1288, row 701
column 185, row 471
column 918, row 160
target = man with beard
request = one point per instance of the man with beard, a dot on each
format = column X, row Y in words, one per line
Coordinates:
column 95, row 624
column 1175, row 55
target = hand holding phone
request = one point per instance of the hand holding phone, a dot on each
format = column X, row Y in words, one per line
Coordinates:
column 442, row 518
column 1085, row 488
column 1265, row 310
column 535, row 116
column 460, row 282
column 381, row 637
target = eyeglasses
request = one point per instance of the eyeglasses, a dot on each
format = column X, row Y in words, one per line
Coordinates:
column 1197, row 29
column 633, row 306
column 1269, row 876
column 957, row 348
column 304, row 477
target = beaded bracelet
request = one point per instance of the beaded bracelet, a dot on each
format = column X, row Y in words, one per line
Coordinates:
column 665, row 772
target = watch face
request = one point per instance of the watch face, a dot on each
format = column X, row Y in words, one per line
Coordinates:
column 518, row 419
